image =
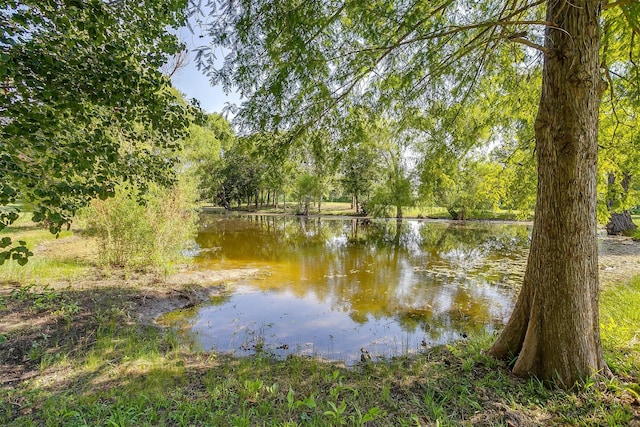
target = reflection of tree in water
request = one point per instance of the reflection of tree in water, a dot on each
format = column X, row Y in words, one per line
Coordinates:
column 429, row 275
column 395, row 234
column 263, row 238
column 497, row 253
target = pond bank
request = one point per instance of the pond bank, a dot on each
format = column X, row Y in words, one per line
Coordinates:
column 347, row 213
column 84, row 352
column 99, row 365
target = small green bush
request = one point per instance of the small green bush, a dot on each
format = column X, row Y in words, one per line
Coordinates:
column 151, row 234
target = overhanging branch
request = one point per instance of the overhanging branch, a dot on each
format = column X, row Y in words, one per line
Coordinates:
column 529, row 43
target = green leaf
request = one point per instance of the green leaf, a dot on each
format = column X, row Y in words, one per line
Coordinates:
column 98, row 102
column 290, row 397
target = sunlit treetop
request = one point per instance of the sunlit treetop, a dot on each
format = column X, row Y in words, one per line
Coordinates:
column 295, row 62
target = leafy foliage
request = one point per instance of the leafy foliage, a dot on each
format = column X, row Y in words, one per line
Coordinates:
column 359, row 172
column 307, row 187
column 203, row 149
column 306, row 64
column 238, row 176
column 619, row 136
column 397, row 192
column 475, row 185
column 84, row 105
column 140, row 236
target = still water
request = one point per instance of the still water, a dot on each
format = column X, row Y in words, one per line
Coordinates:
column 344, row 289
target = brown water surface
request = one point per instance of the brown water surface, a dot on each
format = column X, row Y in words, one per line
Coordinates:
column 347, row 289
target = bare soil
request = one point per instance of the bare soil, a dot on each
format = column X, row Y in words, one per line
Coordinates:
column 619, row 259
column 66, row 312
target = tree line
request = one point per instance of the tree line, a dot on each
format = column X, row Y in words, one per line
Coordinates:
column 381, row 168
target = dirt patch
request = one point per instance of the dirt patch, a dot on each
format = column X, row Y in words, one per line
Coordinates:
column 619, row 259
column 206, row 277
column 185, row 289
column 72, row 247
column 40, row 320
column 148, row 295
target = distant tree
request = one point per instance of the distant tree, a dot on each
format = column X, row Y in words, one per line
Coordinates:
column 619, row 136
column 473, row 186
column 512, row 135
column 395, row 192
column 619, row 165
column 239, row 175
column 518, row 177
column 307, row 187
column 279, row 165
column 202, row 153
column 83, row 105
column 359, row 172
column 360, row 160
column 322, row 160
column 451, row 173
column 392, row 147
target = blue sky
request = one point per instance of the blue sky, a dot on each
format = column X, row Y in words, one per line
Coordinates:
column 195, row 84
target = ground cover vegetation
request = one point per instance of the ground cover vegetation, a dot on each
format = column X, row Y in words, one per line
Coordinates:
column 89, row 361
column 395, row 105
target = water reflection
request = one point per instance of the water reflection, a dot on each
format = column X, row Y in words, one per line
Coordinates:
column 337, row 288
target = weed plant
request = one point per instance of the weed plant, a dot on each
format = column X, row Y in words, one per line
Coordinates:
column 140, row 231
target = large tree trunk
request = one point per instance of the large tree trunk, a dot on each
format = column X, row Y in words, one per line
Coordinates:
column 621, row 223
column 554, row 330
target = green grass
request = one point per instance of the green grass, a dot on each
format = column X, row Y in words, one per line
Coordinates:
column 620, row 326
column 43, row 270
column 117, row 373
column 24, row 229
column 40, row 268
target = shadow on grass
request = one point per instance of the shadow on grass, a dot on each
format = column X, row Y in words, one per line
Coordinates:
column 82, row 357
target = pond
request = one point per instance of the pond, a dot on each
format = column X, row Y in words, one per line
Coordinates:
column 348, row 289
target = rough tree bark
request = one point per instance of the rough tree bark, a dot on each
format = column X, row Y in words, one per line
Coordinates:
column 554, row 328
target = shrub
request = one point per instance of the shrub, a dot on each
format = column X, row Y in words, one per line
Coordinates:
column 143, row 231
